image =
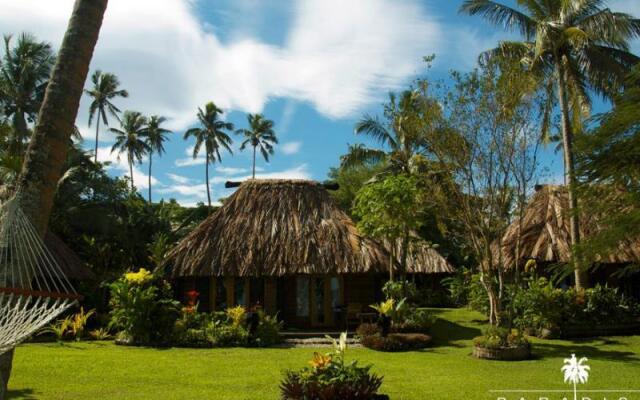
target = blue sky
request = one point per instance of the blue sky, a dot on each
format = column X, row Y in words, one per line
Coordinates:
column 312, row 66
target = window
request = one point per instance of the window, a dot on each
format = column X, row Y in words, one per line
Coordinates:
column 221, row 295
column 302, row 296
column 238, row 292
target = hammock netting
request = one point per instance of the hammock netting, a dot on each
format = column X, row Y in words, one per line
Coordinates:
column 33, row 288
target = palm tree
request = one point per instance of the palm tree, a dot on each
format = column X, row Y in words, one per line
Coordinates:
column 50, row 140
column 211, row 133
column 575, row 371
column 583, row 45
column 401, row 134
column 105, row 89
column 260, row 134
column 131, row 139
column 155, row 136
column 24, row 74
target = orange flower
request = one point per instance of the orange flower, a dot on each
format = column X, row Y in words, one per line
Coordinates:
column 319, row 361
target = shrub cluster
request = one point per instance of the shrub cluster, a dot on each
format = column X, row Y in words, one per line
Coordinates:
column 498, row 338
column 371, row 336
column 541, row 307
column 330, row 377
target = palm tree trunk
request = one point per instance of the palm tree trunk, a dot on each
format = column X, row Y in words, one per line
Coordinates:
column 391, row 260
column 131, row 171
column 49, row 144
column 95, row 154
column 569, row 173
column 206, row 172
column 150, row 162
column 253, row 176
column 21, row 132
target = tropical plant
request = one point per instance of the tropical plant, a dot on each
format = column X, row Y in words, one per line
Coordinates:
column 59, row 329
column 100, row 334
column 24, row 74
column 328, row 376
column 130, row 139
column 583, row 46
column 259, row 135
column 236, row 315
column 575, row 371
column 212, row 135
column 104, row 91
column 79, row 322
column 155, row 136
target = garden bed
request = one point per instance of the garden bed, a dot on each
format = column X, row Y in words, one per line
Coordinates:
column 515, row 353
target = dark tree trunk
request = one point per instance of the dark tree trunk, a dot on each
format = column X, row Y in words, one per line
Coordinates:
column 131, row 172
column 49, row 144
column 253, row 176
column 206, row 174
column 95, row 155
column 569, row 173
column 150, row 162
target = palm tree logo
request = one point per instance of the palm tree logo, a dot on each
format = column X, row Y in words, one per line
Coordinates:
column 575, row 371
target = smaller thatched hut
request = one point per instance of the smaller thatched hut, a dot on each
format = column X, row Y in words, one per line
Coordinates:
column 71, row 265
column 286, row 245
column 543, row 234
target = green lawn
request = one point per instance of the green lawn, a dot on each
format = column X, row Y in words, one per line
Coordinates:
column 94, row 371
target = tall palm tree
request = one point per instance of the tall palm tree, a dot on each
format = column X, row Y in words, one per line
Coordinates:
column 259, row 135
column 50, row 140
column 401, row 135
column 212, row 135
column 131, row 139
column 155, row 136
column 105, row 89
column 24, row 74
column 583, row 45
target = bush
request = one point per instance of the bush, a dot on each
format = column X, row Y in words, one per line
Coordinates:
column 330, row 377
column 542, row 307
column 458, row 286
column 498, row 338
column 143, row 310
column 416, row 321
column 396, row 342
column 398, row 290
column 268, row 332
column 368, row 330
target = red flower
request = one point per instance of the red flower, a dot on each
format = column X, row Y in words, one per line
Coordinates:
column 192, row 297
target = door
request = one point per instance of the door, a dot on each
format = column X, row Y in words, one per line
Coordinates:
column 316, row 298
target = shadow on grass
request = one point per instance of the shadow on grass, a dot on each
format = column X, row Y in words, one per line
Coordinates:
column 587, row 349
column 22, row 394
column 445, row 333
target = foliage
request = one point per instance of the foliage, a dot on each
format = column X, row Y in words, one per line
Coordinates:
column 395, row 341
column 396, row 310
column 138, row 278
column 130, row 139
column 497, row 337
column 416, row 321
column 236, row 315
column 268, row 331
column 143, row 310
column 350, row 181
column 542, row 307
column 59, row 329
column 330, row 377
column 260, row 135
column 401, row 289
column 100, row 334
column 79, row 322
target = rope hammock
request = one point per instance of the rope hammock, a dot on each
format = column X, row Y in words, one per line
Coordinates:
column 33, row 288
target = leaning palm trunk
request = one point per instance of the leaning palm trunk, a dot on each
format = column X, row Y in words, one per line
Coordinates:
column 49, row 144
column 567, row 142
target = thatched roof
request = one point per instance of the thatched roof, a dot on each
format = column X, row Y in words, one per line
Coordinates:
column 67, row 259
column 422, row 258
column 274, row 228
column 545, row 231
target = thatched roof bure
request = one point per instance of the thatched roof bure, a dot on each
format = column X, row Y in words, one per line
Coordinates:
column 544, row 233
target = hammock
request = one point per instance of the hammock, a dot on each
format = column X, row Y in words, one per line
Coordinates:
column 33, row 288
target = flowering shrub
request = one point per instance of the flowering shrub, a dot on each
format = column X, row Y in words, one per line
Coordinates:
column 144, row 312
column 329, row 376
column 497, row 338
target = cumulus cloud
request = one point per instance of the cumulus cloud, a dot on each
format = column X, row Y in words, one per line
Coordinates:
column 290, row 148
column 171, row 63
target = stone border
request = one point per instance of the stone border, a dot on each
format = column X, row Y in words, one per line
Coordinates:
column 504, row 353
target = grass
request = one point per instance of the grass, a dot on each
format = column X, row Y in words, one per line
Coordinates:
column 100, row 370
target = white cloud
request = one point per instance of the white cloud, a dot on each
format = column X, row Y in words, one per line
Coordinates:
column 179, row 178
column 290, row 148
column 232, row 170
column 189, row 161
column 171, row 63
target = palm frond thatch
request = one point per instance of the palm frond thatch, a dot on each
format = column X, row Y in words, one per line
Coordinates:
column 275, row 228
column 422, row 258
column 544, row 232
